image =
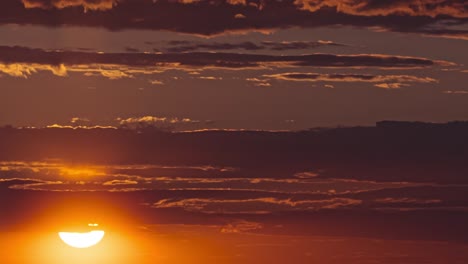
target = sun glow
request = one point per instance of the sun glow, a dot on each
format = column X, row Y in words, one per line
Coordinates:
column 82, row 240
column 77, row 171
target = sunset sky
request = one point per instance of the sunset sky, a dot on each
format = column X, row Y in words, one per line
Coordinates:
column 275, row 65
column 234, row 131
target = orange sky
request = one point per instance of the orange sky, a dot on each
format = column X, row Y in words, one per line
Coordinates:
column 234, row 131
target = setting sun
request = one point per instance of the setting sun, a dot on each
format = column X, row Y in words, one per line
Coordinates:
column 82, row 240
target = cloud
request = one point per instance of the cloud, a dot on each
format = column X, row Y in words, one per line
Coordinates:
column 461, row 92
column 432, row 8
column 259, row 82
column 299, row 45
column 162, row 123
column 241, row 226
column 406, row 200
column 154, row 120
column 254, row 206
column 112, row 72
column 306, row 175
column 120, row 182
column 396, row 81
column 80, row 126
column 235, row 15
column 76, row 120
column 185, row 46
column 189, row 182
column 395, row 85
column 319, row 151
column 25, row 70
column 61, row 4
column 212, row 78
column 23, row 62
column 239, row 16
column 156, row 82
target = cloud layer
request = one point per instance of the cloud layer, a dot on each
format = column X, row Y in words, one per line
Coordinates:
column 23, row 62
column 224, row 16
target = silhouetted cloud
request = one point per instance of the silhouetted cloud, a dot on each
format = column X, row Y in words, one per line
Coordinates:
column 185, row 46
column 61, row 4
column 23, row 62
column 432, row 8
column 299, row 45
column 188, row 46
column 227, row 16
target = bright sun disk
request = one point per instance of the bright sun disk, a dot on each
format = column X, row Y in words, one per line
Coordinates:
column 82, row 240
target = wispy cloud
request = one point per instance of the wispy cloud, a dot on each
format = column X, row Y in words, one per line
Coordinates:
column 61, row 4
column 382, row 81
column 188, row 46
column 254, row 206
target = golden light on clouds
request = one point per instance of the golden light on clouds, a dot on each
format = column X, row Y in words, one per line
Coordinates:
column 81, row 171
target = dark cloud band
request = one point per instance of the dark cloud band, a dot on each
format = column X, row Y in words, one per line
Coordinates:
column 21, row 61
column 212, row 17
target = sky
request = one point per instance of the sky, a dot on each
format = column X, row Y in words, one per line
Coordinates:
column 259, row 65
column 234, row 131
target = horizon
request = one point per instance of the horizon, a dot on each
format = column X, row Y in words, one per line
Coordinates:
column 153, row 127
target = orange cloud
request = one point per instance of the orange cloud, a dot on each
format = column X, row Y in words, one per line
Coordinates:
column 24, row 70
column 154, row 120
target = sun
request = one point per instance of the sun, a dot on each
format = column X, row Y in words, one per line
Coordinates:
column 82, row 239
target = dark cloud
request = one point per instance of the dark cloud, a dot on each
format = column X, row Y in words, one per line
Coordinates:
column 431, row 8
column 399, row 151
column 299, row 45
column 184, row 46
column 22, row 62
column 60, row 4
column 212, row 17
column 214, row 46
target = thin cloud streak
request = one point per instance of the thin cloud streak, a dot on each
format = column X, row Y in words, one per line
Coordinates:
column 382, row 81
